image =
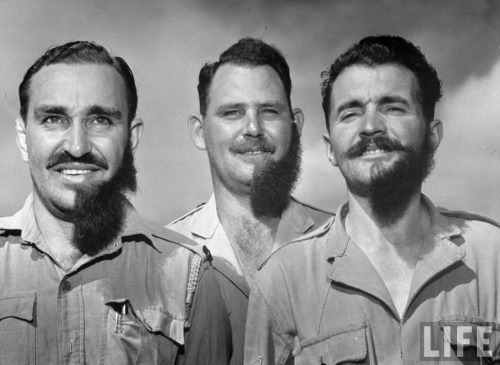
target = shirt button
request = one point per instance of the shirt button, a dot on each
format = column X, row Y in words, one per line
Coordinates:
column 66, row 286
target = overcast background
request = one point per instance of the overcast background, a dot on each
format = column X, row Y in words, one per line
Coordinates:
column 167, row 42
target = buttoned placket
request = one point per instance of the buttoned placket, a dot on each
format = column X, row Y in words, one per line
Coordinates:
column 71, row 306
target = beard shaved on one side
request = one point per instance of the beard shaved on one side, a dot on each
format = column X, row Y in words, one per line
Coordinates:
column 391, row 190
column 101, row 208
column 274, row 181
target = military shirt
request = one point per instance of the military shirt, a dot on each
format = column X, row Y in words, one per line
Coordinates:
column 125, row 305
column 319, row 300
column 203, row 225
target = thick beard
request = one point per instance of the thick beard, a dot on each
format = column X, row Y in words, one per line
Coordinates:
column 100, row 210
column 274, row 181
column 391, row 190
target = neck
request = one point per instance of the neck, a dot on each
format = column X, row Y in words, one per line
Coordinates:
column 57, row 235
column 251, row 237
column 233, row 207
column 409, row 229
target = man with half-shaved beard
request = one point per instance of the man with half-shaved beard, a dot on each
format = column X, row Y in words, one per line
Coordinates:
column 83, row 279
column 252, row 138
column 392, row 279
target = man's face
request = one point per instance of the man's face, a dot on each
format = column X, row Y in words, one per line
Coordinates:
column 76, row 131
column 375, row 118
column 248, row 123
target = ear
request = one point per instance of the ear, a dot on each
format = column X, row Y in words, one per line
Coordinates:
column 21, row 138
column 136, row 129
column 329, row 150
column 298, row 119
column 195, row 126
column 436, row 132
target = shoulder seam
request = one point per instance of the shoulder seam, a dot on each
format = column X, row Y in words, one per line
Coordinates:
column 182, row 217
column 468, row 216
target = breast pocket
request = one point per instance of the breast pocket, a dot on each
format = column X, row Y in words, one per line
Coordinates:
column 340, row 346
column 469, row 340
column 17, row 329
column 129, row 339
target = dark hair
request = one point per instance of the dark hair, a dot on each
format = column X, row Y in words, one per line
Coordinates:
column 381, row 50
column 247, row 51
column 80, row 52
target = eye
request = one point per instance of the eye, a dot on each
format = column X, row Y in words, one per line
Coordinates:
column 349, row 115
column 101, row 121
column 395, row 110
column 53, row 120
column 232, row 113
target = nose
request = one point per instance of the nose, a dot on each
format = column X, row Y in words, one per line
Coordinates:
column 253, row 125
column 373, row 123
column 77, row 141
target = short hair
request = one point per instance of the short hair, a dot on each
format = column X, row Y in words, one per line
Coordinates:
column 80, row 52
column 246, row 52
column 386, row 49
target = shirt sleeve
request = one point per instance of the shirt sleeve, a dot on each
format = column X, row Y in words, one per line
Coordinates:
column 208, row 338
column 264, row 342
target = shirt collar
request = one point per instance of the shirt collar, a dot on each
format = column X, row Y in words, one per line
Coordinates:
column 294, row 222
column 25, row 221
column 206, row 221
column 441, row 226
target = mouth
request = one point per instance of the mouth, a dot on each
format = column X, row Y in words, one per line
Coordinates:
column 75, row 172
column 258, row 152
column 373, row 152
column 75, row 169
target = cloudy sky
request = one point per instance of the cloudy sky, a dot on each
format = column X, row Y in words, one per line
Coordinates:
column 167, row 42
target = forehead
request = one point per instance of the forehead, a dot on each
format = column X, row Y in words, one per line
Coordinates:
column 77, row 86
column 248, row 84
column 359, row 82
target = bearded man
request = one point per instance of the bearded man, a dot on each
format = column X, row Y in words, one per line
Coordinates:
column 83, row 278
column 252, row 138
column 392, row 279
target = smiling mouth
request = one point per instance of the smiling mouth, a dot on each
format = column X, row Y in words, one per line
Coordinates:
column 374, row 152
column 255, row 152
column 75, row 172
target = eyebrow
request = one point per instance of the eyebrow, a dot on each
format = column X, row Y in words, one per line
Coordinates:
column 273, row 103
column 61, row 110
column 49, row 109
column 383, row 100
column 101, row 110
column 394, row 99
column 348, row 105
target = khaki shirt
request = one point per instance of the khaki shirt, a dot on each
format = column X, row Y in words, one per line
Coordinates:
column 319, row 300
column 125, row 305
column 203, row 226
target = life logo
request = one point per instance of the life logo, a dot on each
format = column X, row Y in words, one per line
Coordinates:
column 460, row 341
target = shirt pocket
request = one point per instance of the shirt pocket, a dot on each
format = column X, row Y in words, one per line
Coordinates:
column 340, row 346
column 468, row 340
column 18, row 329
column 129, row 338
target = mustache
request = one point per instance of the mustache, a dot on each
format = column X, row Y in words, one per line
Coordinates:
column 64, row 157
column 252, row 145
column 380, row 142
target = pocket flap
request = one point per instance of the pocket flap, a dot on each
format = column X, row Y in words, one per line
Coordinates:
column 341, row 345
column 154, row 320
column 22, row 307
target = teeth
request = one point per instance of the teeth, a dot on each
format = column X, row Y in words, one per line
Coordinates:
column 75, row 172
column 373, row 152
